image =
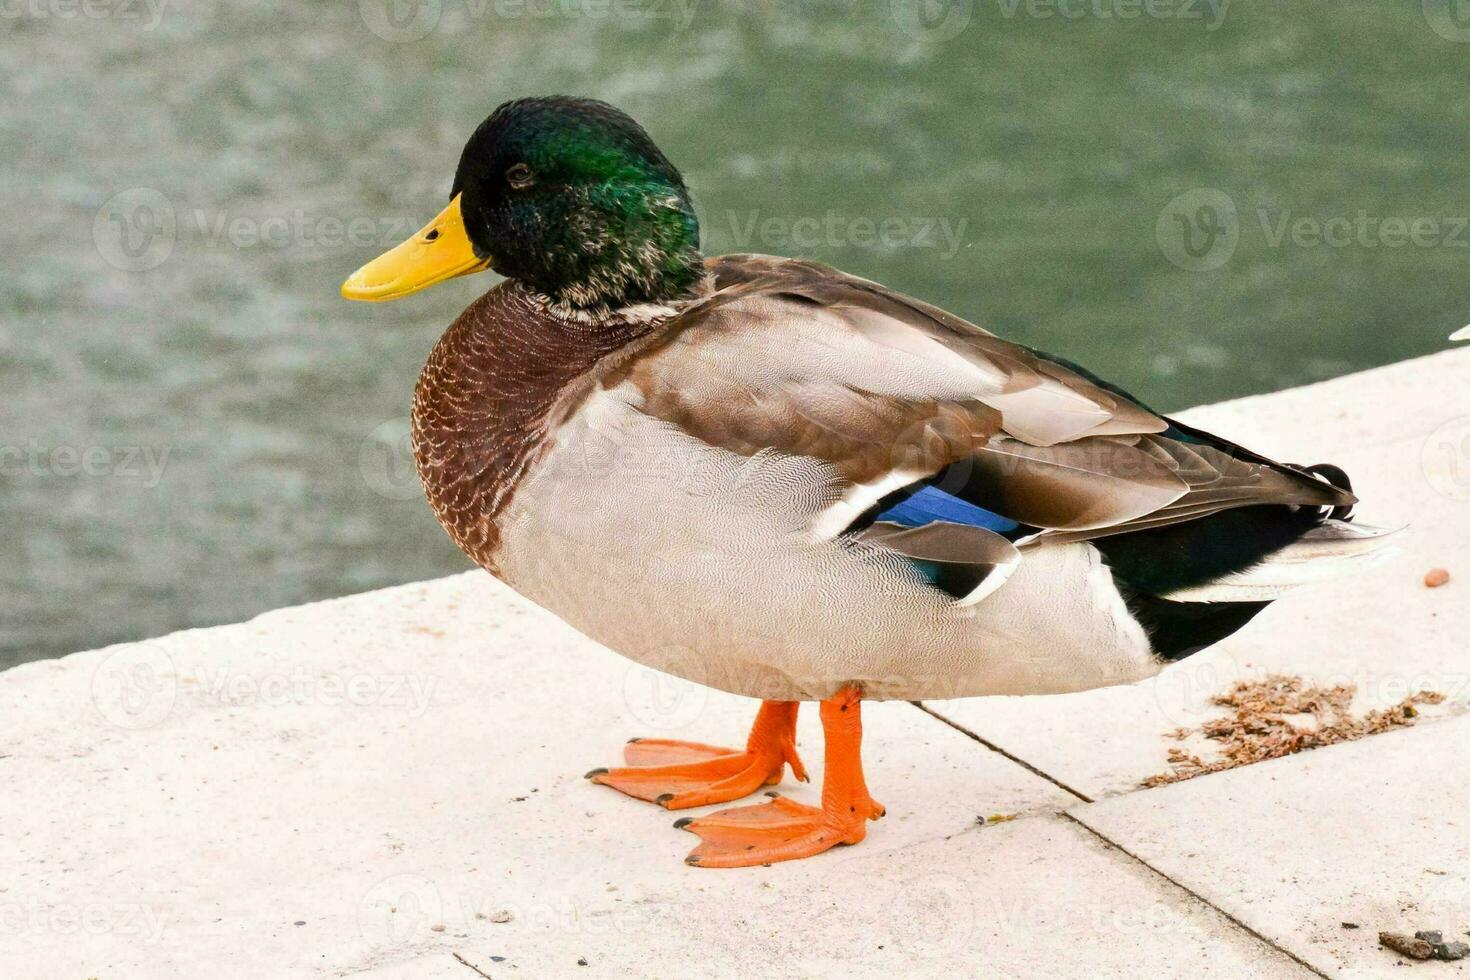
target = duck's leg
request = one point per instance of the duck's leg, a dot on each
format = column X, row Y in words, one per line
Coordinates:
column 784, row 830
column 677, row 775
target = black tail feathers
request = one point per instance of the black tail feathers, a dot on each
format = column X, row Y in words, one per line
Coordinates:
column 1338, row 478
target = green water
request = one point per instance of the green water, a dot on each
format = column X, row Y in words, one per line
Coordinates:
column 196, row 428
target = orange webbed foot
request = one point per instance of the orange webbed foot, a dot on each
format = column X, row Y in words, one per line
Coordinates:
column 781, row 830
column 677, row 775
column 784, row 830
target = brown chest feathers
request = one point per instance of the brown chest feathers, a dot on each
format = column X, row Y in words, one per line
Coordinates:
column 482, row 408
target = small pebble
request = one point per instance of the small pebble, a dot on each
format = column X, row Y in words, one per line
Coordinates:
column 299, row 922
column 1436, row 577
column 1452, row 951
column 1350, row 925
column 437, row 927
column 502, row 916
column 581, row 961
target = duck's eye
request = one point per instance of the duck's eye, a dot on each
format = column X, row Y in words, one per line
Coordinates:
column 519, row 176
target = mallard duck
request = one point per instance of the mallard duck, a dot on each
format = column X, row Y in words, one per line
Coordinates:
column 779, row 480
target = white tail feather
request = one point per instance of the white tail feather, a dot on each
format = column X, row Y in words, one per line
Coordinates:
column 1332, row 550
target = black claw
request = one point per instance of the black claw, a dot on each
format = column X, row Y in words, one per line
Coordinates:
column 772, row 794
column 664, row 799
column 595, row 772
column 683, row 822
column 632, row 740
column 692, row 861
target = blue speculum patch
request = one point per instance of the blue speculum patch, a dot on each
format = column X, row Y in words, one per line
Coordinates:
column 928, row 504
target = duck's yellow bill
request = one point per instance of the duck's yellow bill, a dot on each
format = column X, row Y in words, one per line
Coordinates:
column 440, row 250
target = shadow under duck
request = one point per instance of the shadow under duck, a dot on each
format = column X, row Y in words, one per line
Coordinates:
column 767, row 476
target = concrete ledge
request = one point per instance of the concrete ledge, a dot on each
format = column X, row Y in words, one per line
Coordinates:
column 389, row 785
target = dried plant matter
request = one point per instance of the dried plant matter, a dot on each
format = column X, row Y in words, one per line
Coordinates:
column 1278, row 716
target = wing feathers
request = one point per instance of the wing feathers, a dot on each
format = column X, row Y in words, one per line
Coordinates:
column 798, row 359
column 972, row 561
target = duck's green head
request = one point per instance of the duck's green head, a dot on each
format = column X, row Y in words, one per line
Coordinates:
column 569, row 196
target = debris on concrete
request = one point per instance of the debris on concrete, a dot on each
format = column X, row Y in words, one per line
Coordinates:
column 1411, row 946
column 1426, row 944
column 1442, row 949
column 1436, row 577
column 1279, row 716
column 503, row 915
column 472, row 966
column 1351, row 925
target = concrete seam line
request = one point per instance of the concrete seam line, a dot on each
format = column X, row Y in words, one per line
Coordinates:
column 1200, row 898
column 1001, row 751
